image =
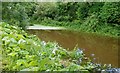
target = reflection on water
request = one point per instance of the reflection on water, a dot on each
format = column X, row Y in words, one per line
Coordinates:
column 101, row 49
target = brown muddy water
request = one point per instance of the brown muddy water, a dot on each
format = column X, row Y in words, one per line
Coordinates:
column 101, row 49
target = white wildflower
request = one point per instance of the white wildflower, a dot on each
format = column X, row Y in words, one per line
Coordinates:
column 21, row 41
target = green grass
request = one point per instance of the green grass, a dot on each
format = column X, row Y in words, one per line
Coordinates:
column 102, row 29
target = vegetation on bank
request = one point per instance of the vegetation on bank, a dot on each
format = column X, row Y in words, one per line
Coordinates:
column 104, row 30
column 96, row 17
column 23, row 52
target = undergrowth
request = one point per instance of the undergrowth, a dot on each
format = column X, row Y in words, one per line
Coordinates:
column 23, row 52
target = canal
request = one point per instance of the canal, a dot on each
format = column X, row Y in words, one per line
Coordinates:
column 101, row 49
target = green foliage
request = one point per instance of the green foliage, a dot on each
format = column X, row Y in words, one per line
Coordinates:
column 110, row 13
column 82, row 10
column 95, row 7
column 91, row 25
column 45, row 10
column 66, row 11
column 81, row 16
column 22, row 52
column 17, row 13
column 91, row 22
column 96, row 17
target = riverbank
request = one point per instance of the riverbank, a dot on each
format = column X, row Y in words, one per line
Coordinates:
column 103, row 30
column 23, row 52
column 42, row 27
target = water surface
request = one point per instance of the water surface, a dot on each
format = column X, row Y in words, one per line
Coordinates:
column 102, row 49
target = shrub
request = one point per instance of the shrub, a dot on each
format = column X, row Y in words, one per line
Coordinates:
column 110, row 13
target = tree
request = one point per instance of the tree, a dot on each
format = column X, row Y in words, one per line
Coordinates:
column 17, row 13
column 110, row 13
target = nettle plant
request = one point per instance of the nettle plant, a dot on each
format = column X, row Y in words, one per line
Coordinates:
column 23, row 52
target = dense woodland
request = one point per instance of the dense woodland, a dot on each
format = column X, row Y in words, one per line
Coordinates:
column 98, row 17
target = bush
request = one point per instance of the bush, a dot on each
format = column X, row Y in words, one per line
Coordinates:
column 110, row 13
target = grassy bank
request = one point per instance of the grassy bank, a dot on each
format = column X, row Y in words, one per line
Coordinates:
column 23, row 52
column 103, row 29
